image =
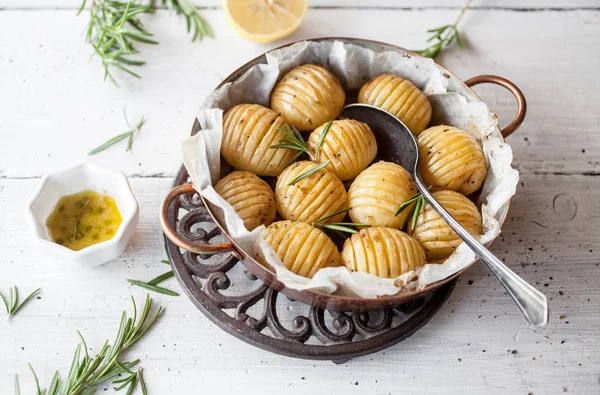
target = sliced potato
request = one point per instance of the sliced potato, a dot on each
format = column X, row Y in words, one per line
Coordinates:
column 308, row 96
column 399, row 97
column 451, row 158
column 250, row 196
column 302, row 248
column 248, row 132
column 312, row 198
column 350, row 146
column 435, row 235
column 383, row 252
column 377, row 192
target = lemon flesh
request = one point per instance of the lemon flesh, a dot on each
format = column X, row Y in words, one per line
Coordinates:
column 264, row 21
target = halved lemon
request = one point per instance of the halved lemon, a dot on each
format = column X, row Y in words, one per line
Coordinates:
column 264, row 21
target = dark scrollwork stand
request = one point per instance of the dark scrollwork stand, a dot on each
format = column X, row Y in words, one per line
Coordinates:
column 233, row 299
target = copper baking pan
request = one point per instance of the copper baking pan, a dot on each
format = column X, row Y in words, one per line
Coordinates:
column 321, row 300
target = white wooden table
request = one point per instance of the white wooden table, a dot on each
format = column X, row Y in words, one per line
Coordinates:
column 54, row 107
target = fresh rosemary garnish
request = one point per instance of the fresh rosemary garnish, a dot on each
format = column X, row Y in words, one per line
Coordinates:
column 152, row 284
column 77, row 218
column 309, row 172
column 419, row 202
column 11, row 303
column 115, row 27
column 341, row 227
column 127, row 135
column 295, row 141
column 443, row 36
column 193, row 19
column 87, row 372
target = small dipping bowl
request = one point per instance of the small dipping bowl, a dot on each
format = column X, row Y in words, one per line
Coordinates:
column 73, row 179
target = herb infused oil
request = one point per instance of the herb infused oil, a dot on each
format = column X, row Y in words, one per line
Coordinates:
column 84, row 219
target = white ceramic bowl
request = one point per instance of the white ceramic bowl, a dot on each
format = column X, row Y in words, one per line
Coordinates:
column 76, row 178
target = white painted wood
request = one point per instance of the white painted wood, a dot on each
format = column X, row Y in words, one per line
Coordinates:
column 526, row 5
column 197, row 354
column 54, row 108
column 55, row 98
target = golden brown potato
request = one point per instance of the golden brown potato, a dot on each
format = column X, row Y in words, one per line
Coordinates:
column 399, row 97
column 248, row 131
column 437, row 238
column 308, row 96
column 349, row 144
column 251, row 197
column 311, row 198
column 450, row 158
column 377, row 192
column 383, row 252
column 302, row 248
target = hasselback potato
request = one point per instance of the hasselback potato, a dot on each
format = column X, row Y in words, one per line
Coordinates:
column 248, row 132
column 312, row 198
column 450, row 158
column 399, row 97
column 250, row 196
column 383, row 252
column 308, row 96
column 435, row 235
column 350, row 146
column 302, row 248
column 377, row 192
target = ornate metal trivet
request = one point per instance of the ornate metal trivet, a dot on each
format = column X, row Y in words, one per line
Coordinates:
column 232, row 298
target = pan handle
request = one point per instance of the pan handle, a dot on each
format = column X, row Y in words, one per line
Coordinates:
column 179, row 241
column 521, row 103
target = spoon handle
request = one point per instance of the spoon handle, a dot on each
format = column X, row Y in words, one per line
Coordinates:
column 533, row 303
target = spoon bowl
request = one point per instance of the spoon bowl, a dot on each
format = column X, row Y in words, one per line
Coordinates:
column 399, row 145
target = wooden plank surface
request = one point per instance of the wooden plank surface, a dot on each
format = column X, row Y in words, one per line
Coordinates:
column 390, row 4
column 54, row 108
column 553, row 68
column 549, row 239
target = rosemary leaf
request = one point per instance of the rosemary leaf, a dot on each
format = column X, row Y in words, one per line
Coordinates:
column 127, row 135
column 418, row 207
column 38, row 391
column 325, row 218
column 161, row 278
column 322, row 138
column 444, row 36
column 310, row 172
column 11, row 303
column 166, row 262
column 339, row 228
column 404, row 205
column 153, row 288
column 17, row 386
column 141, row 380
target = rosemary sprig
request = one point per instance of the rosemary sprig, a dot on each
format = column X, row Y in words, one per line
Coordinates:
column 194, row 21
column 152, row 284
column 78, row 218
column 153, row 288
column 113, row 29
column 443, row 36
column 419, row 202
column 295, row 141
column 343, row 227
column 309, row 172
column 127, row 135
column 11, row 303
column 87, row 373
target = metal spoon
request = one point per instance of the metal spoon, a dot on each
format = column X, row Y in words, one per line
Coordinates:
column 397, row 144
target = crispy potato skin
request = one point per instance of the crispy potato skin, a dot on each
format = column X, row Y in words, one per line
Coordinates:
column 308, row 96
column 302, row 248
column 349, row 145
column 377, row 192
column 383, row 252
column 400, row 97
column 437, row 238
column 248, row 132
column 250, row 196
column 451, row 158
column 312, row 198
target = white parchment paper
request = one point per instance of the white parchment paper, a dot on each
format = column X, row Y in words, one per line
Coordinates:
column 353, row 65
